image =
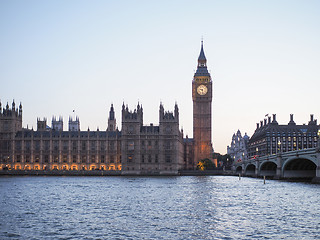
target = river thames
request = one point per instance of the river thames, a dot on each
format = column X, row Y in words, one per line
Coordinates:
column 206, row 207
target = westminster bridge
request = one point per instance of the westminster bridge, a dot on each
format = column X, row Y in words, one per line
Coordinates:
column 303, row 163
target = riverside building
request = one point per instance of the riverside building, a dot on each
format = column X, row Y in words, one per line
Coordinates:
column 271, row 138
column 238, row 149
column 135, row 149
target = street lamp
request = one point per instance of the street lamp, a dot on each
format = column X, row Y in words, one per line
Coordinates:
column 279, row 144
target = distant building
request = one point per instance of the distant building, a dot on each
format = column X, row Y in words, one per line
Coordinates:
column 271, row 138
column 136, row 149
column 238, row 149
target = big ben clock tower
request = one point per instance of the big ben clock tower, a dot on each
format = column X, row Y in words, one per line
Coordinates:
column 202, row 99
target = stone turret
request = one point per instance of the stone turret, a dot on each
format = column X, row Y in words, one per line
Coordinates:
column 74, row 124
column 112, row 124
column 10, row 119
column 41, row 124
column 57, row 124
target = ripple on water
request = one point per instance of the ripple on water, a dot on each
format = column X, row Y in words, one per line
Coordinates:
column 157, row 208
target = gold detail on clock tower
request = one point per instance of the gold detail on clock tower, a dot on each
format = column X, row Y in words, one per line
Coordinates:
column 202, row 100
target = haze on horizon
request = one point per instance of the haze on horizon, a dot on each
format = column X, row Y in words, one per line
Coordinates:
column 60, row 56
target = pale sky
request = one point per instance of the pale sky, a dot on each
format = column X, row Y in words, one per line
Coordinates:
column 60, row 56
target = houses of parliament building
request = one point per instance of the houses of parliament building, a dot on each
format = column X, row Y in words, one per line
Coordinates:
column 135, row 149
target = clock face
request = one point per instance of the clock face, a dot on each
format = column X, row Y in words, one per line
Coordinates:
column 202, row 90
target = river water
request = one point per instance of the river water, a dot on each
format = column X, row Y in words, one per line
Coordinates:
column 206, row 207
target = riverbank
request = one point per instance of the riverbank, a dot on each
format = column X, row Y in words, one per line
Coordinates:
column 108, row 173
column 120, row 173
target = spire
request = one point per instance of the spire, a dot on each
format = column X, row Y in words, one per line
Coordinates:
column 111, row 112
column 20, row 109
column 202, row 61
column 202, row 64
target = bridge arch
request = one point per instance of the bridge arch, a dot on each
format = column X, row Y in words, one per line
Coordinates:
column 250, row 169
column 268, row 168
column 299, row 167
column 239, row 169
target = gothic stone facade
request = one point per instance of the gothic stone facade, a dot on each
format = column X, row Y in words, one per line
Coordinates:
column 202, row 100
column 136, row 149
column 238, row 149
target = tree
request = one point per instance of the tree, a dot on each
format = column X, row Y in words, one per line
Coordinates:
column 205, row 164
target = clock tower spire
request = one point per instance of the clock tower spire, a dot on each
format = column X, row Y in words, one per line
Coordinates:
column 202, row 100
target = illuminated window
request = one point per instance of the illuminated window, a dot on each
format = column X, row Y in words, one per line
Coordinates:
column 130, row 158
column 131, row 145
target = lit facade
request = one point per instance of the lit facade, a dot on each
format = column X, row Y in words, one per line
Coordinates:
column 271, row 138
column 202, row 100
column 135, row 149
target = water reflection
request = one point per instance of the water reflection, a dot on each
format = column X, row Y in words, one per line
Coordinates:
column 157, row 208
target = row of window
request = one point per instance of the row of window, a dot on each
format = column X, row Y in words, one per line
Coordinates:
column 149, row 158
column 167, row 145
column 64, row 158
column 310, row 139
column 84, row 145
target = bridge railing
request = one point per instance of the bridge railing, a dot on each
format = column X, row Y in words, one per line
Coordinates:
column 273, row 156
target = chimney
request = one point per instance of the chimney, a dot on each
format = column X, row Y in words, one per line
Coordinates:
column 312, row 120
column 257, row 125
column 269, row 120
column 274, row 118
column 261, row 123
column 291, row 120
column 265, row 122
